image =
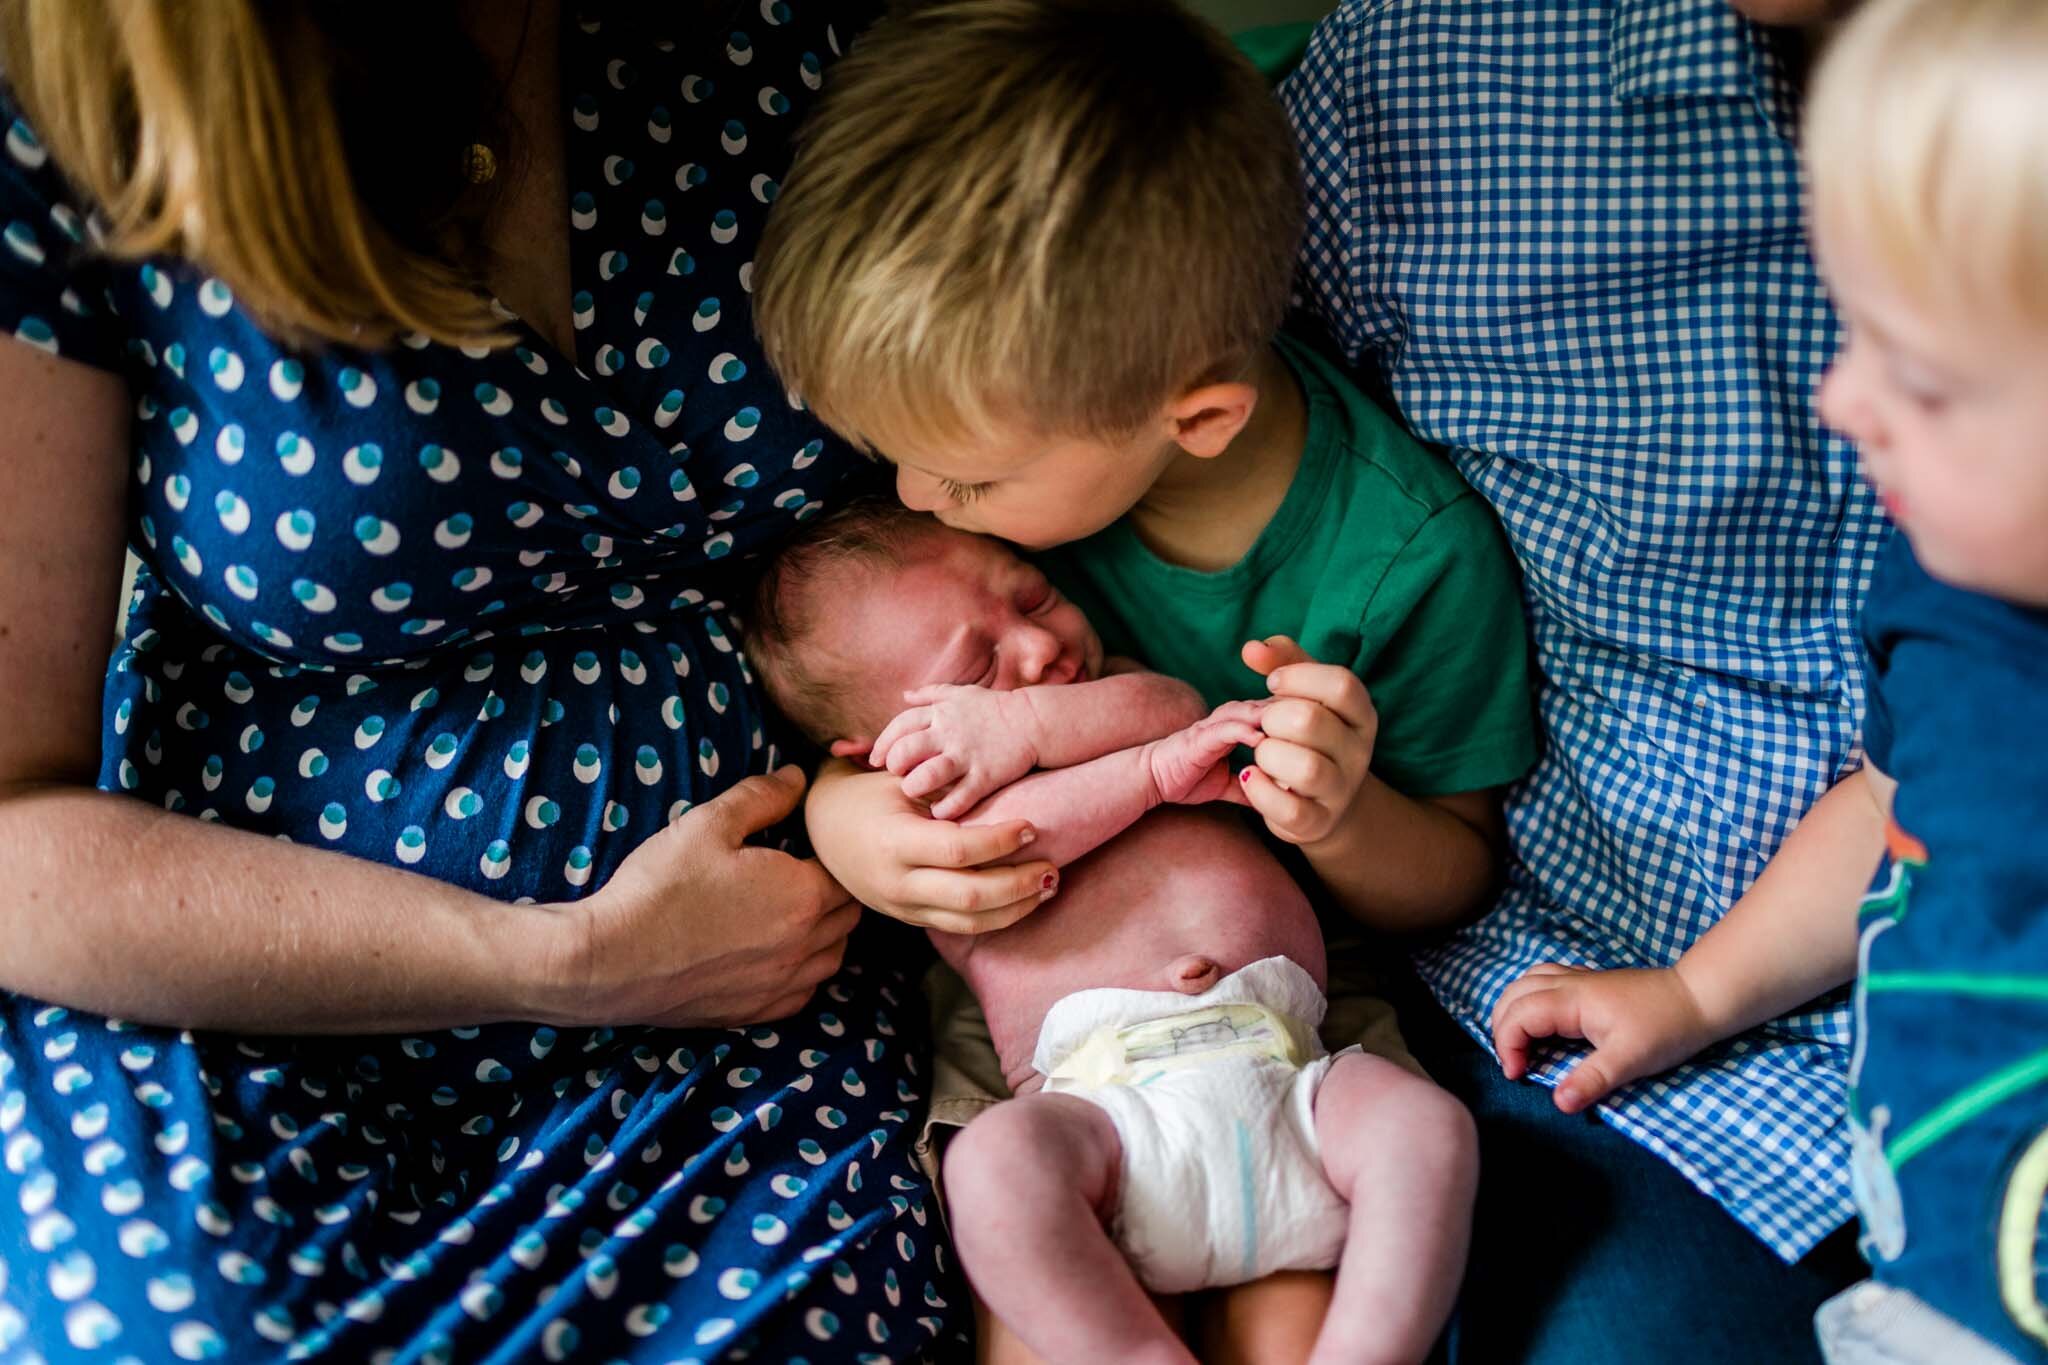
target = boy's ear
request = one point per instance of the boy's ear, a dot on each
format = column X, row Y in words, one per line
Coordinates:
column 1203, row 421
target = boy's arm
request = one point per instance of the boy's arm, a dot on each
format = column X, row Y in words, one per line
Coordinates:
column 1791, row 938
column 1402, row 864
column 954, row 745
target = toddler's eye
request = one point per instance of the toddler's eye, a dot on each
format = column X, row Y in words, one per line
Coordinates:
column 962, row 492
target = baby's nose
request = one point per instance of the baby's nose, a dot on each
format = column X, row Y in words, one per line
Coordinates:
column 1193, row 973
column 1039, row 650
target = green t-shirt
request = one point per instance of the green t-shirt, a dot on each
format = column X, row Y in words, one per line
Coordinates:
column 1379, row 557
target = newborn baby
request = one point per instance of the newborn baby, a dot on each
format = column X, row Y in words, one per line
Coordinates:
column 1178, row 1122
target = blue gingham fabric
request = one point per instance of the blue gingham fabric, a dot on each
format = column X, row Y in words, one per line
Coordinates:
column 1569, row 236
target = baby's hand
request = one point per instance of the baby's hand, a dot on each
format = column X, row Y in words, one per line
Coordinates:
column 956, row 745
column 1320, row 730
column 1187, row 765
column 1640, row 1022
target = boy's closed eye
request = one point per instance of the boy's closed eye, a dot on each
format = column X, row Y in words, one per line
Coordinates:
column 963, row 492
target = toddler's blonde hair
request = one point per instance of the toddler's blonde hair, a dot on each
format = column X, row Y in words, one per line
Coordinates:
column 1053, row 213
column 1927, row 141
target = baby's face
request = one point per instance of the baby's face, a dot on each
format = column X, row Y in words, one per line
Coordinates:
column 1950, row 415
column 962, row 609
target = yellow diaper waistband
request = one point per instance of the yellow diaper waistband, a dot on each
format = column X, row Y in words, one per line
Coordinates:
column 1132, row 1054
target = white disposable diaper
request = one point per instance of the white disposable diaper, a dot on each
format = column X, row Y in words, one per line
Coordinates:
column 1213, row 1098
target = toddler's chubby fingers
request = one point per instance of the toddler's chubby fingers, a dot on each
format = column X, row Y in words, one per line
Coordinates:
column 1288, row 816
column 932, row 775
column 1533, row 1015
column 1303, row 771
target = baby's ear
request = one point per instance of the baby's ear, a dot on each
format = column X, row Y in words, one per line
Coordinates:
column 850, row 748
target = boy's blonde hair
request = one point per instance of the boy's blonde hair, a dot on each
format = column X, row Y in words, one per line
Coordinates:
column 1053, row 213
column 1927, row 139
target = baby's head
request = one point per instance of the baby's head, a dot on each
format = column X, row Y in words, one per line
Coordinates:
column 879, row 600
column 1927, row 153
column 1029, row 251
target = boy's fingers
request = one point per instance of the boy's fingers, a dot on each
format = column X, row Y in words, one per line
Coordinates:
column 979, row 891
column 1535, row 1015
column 1335, row 687
column 1275, row 651
column 1305, row 722
column 942, row 844
column 1284, row 812
column 1304, row 772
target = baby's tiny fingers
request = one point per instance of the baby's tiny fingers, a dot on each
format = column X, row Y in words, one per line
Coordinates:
column 932, row 775
column 911, row 750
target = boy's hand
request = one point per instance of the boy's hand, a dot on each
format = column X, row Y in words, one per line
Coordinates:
column 956, row 745
column 1320, row 729
column 1640, row 1022
column 1187, row 766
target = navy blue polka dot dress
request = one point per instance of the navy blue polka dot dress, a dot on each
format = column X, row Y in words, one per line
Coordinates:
column 458, row 611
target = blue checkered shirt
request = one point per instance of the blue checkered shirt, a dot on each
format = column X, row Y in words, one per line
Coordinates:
column 1568, row 233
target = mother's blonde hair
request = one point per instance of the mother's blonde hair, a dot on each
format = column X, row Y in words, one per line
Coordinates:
column 210, row 130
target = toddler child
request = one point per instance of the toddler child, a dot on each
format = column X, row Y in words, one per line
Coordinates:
column 1927, row 148
column 1158, row 1020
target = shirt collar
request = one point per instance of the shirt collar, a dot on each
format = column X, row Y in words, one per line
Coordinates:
column 1677, row 49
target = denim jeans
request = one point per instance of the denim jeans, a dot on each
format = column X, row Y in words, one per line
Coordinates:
column 1590, row 1250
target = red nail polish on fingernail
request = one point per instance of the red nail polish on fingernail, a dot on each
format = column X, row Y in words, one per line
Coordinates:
column 1244, row 775
column 1048, row 881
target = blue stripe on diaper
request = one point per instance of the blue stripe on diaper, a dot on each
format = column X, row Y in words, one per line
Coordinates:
column 1248, row 1197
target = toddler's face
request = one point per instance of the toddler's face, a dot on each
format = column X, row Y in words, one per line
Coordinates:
column 1950, row 415
column 964, row 610
column 1034, row 491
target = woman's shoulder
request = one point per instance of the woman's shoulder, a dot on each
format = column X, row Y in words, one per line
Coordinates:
column 52, row 295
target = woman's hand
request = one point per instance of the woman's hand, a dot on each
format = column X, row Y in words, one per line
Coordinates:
column 699, row 928
column 893, row 857
column 1640, row 1021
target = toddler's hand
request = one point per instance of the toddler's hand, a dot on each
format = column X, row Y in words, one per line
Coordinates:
column 1640, row 1022
column 1320, row 729
column 1187, row 766
column 956, row 745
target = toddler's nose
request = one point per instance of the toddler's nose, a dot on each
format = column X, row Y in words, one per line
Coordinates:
column 1192, row 974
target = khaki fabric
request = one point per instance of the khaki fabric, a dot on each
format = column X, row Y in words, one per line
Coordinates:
column 967, row 1078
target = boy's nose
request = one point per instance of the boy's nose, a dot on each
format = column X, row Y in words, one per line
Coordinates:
column 1192, row 973
column 1844, row 402
column 919, row 492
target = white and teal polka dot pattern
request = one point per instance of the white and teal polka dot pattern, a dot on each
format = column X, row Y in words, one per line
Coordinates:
column 459, row 612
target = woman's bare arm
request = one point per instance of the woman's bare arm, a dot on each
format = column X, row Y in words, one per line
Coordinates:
column 112, row 905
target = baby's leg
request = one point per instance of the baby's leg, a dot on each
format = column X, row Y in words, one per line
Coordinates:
column 1032, row 1184
column 1405, row 1155
column 1271, row 1321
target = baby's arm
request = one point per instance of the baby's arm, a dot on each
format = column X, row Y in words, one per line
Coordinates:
column 955, row 745
column 1792, row 937
column 1077, row 809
